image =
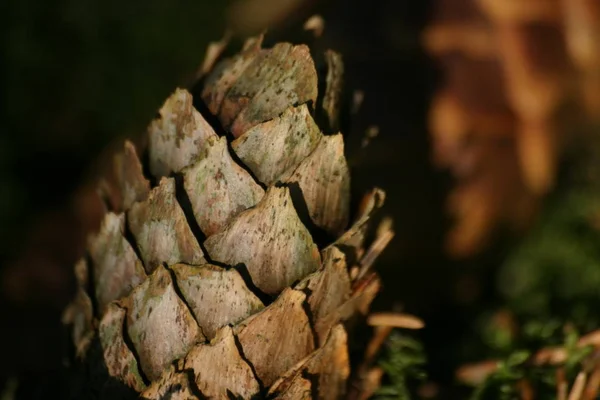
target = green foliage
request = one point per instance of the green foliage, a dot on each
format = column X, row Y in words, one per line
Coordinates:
column 502, row 384
column 549, row 285
column 402, row 362
column 517, row 367
column 555, row 273
column 501, row 341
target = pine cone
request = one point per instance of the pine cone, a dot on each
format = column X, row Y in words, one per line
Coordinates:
column 225, row 266
column 519, row 76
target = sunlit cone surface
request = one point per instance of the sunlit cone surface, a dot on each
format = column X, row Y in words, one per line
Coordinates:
column 519, row 77
column 206, row 279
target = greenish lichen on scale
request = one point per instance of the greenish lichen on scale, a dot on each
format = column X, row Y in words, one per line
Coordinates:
column 207, row 278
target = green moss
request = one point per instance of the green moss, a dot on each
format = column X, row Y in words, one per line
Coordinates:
column 550, row 285
column 517, row 367
column 402, row 361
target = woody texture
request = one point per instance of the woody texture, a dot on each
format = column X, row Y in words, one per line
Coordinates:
column 229, row 261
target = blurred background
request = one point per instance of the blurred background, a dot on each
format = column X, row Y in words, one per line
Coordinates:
column 479, row 118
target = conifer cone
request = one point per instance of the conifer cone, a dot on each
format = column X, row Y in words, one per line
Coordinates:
column 226, row 263
column 521, row 77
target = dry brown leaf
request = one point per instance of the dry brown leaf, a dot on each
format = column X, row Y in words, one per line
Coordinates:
column 218, row 188
column 270, row 240
column 216, row 296
column 161, row 230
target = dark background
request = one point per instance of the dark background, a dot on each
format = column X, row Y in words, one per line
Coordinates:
column 77, row 74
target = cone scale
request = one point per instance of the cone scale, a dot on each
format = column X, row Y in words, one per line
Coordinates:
column 208, row 283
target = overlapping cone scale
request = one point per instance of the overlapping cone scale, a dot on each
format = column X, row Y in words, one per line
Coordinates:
column 207, row 278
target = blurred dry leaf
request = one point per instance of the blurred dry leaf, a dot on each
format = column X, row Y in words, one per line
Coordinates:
column 315, row 24
column 498, row 123
column 395, row 320
column 249, row 17
column 475, row 374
